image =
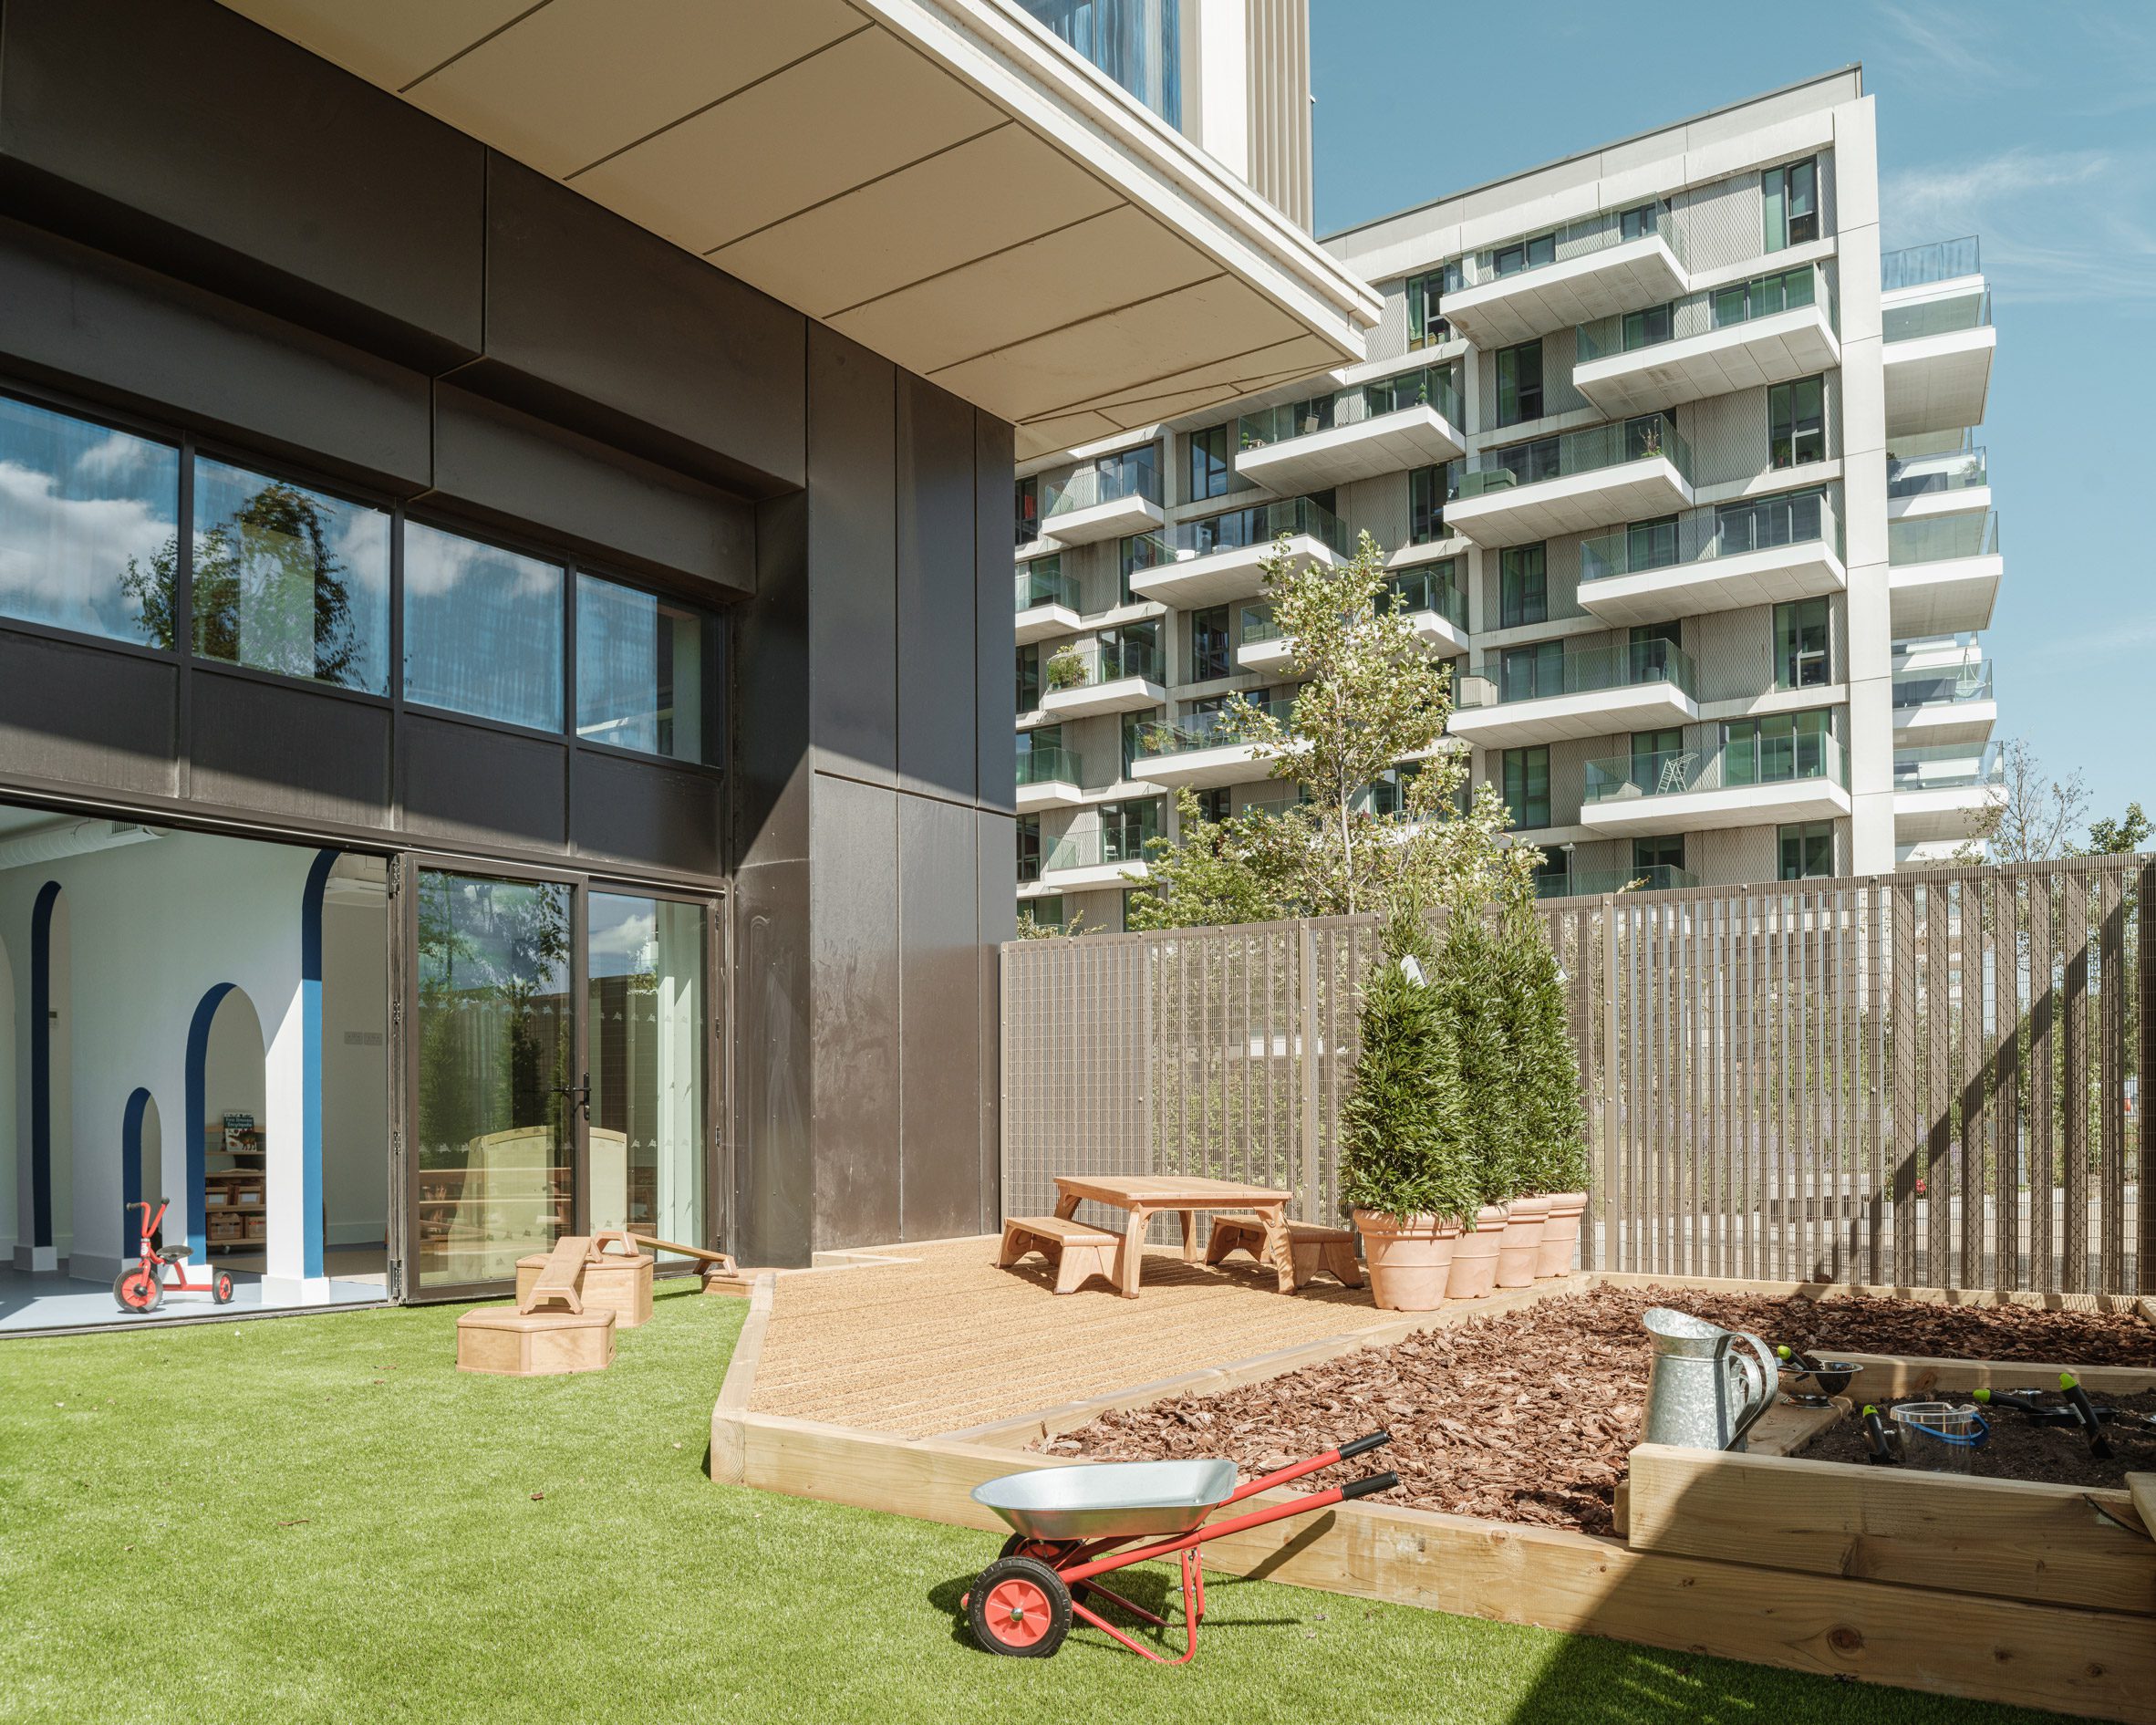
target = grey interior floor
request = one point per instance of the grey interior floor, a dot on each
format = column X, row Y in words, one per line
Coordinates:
column 52, row 1301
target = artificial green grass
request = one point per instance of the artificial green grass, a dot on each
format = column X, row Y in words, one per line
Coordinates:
column 320, row 1519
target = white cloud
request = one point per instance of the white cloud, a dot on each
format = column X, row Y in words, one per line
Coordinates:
column 61, row 557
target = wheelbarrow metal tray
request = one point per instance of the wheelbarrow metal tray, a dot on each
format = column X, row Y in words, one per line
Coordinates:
column 1124, row 1498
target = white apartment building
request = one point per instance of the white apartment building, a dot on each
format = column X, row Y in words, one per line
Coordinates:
column 1670, row 458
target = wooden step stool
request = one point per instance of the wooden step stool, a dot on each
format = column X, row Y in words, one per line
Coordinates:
column 534, row 1344
column 1076, row 1249
column 1314, row 1247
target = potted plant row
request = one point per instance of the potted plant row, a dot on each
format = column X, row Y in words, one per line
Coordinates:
column 1463, row 1137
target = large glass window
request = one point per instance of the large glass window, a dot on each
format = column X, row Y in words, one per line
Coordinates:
column 1519, row 383
column 1137, row 552
column 1523, row 586
column 1797, row 422
column 1533, row 672
column 1662, row 851
column 1124, row 829
column 1807, row 851
column 1803, row 657
column 1426, row 327
column 1029, row 677
column 1029, row 509
column 89, row 526
column 1029, row 847
column 1791, row 194
column 1778, row 748
column 647, row 673
column 1429, row 489
column 1526, row 785
column 1212, row 468
column 1211, row 655
column 1528, row 253
column 483, row 629
column 1138, row 43
column 290, row 580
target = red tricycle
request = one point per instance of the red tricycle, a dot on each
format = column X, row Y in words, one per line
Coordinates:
column 144, row 1287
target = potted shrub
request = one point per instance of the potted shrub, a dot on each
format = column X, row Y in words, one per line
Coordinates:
column 1470, row 981
column 1406, row 1165
column 1551, row 1114
column 1066, row 667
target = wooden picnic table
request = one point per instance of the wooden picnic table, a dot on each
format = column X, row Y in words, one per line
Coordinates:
column 1146, row 1196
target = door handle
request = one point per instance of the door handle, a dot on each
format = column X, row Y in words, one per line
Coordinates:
column 579, row 1095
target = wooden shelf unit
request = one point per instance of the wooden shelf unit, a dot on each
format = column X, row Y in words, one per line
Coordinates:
column 229, row 1176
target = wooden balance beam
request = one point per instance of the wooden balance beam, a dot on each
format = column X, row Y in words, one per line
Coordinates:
column 717, row 1266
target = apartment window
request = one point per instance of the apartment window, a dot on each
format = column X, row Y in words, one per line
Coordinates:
column 1212, row 470
column 1029, row 847
column 1778, row 748
column 647, row 673
column 1124, row 829
column 1029, row 677
column 1429, row 489
column 1653, row 649
column 1136, row 553
column 1651, row 749
column 1528, row 253
column 1637, row 223
column 290, row 580
column 1802, row 645
column 1651, row 544
column 1137, row 727
column 1132, row 651
column 1807, row 851
column 1519, row 383
column 1795, row 517
column 1029, row 510
column 1523, row 586
column 1426, row 327
column 1526, row 774
column 1212, row 805
column 1797, row 422
column 89, row 530
column 1530, row 462
column 1211, row 655
column 483, row 629
column 1650, row 327
column 1664, row 851
column 1792, row 197
column 1047, row 911
column 1532, row 673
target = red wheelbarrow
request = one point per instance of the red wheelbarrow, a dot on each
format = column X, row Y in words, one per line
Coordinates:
column 1072, row 1525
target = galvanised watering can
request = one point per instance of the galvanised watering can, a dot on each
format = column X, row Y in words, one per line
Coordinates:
column 1702, row 1391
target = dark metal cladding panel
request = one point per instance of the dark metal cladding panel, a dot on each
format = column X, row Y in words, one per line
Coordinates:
column 596, row 323
column 77, row 714
column 646, row 811
column 996, row 839
column 769, row 650
column 853, row 584
column 937, row 650
column 940, row 1015
column 288, row 750
column 774, row 1160
column 616, row 507
column 462, row 783
column 995, row 635
column 226, row 155
column 91, row 324
column 855, row 975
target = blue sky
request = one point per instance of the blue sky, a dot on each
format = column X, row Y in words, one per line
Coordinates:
column 2032, row 126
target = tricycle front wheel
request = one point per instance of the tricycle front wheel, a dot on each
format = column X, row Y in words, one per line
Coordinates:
column 1021, row 1607
column 138, row 1290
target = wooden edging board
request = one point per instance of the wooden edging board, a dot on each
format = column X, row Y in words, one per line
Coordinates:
column 2098, row 1663
column 2008, row 1539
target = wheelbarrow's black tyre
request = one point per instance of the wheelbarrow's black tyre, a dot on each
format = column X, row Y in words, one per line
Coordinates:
column 1019, row 1606
column 1047, row 1551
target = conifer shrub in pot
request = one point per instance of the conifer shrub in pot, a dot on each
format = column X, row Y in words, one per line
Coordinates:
column 1407, row 1167
column 1470, row 980
column 1551, row 1116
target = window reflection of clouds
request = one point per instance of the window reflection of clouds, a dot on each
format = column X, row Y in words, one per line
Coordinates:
column 482, row 628
column 623, row 932
column 80, row 504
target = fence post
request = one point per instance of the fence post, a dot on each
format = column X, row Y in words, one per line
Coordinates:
column 1306, row 1013
column 2144, row 1172
column 1611, row 1218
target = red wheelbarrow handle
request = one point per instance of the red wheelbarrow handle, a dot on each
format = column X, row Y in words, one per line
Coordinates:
column 1346, row 1452
column 1236, row 1523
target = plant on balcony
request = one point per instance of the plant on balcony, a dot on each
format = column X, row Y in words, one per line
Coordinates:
column 1066, row 667
column 1408, row 1160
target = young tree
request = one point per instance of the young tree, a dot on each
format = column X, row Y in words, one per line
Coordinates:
column 1404, row 1142
column 2109, row 837
column 2032, row 817
column 1471, row 983
column 1550, row 1117
column 1221, row 872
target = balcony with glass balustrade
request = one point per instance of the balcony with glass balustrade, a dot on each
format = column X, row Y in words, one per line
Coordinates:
column 1762, row 551
column 1206, row 749
column 1573, row 482
column 1555, row 691
column 1050, row 777
column 1047, row 603
column 1943, row 704
column 1952, row 482
column 1755, row 780
column 1389, row 425
column 1595, row 267
column 1592, row 883
column 1099, row 676
column 1108, row 498
column 1430, row 597
column 1938, row 339
column 1943, row 574
column 1741, row 335
column 1943, row 792
column 1217, row 559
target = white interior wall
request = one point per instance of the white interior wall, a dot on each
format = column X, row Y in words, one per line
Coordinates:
column 355, row 1061
column 59, row 1003
column 232, row 1079
column 8, row 1234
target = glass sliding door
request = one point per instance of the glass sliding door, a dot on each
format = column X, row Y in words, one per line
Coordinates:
column 493, row 1075
column 649, row 1029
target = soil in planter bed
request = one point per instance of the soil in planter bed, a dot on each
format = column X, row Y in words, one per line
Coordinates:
column 2055, row 1455
column 1527, row 1416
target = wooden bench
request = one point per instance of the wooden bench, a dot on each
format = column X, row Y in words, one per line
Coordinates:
column 1312, row 1245
column 561, row 1277
column 1076, row 1249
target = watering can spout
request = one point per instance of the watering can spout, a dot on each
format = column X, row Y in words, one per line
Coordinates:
column 1705, row 1389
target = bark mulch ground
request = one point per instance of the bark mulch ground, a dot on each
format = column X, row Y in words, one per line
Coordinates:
column 1527, row 1416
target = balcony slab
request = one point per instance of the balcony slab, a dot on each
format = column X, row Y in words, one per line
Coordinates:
column 1521, row 306
column 1114, row 519
column 1219, row 577
column 1770, row 576
column 1746, row 355
column 1595, row 713
column 1952, row 597
column 1703, row 811
column 1417, row 436
column 1122, row 694
column 1572, row 502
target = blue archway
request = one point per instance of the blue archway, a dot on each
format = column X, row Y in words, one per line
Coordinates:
column 198, row 1106
column 41, row 911
column 310, row 1006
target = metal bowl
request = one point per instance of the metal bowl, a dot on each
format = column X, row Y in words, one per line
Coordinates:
column 1830, row 1376
column 1109, row 1497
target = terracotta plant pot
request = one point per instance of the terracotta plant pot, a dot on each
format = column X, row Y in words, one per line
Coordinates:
column 1521, row 1243
column 1475, row 1255
column 1410, row 1258
column 1561, row 1234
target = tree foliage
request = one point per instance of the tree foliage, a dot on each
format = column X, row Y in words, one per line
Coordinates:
column 1550, row 1117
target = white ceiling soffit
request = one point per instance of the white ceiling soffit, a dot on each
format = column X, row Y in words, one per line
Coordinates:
column 942, row 179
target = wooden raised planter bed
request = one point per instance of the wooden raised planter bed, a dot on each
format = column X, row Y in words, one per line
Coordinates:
column 1989, row 1590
